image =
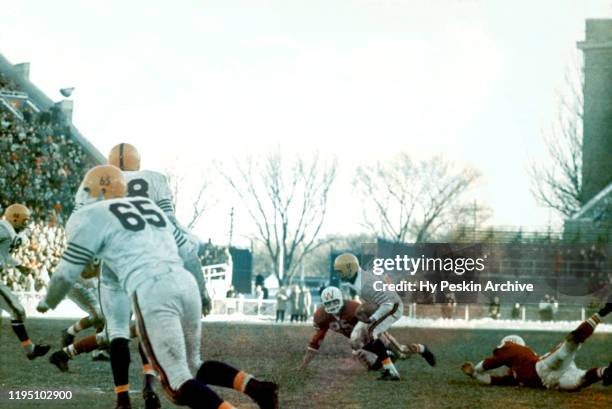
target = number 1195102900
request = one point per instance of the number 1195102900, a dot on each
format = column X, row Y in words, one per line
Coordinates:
column 39, row 395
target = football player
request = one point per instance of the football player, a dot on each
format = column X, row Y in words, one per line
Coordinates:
column 367, row 333
column 136, row 241
column 16, row 218
column 554, row 370
column 154, row 185
column 116, row 306
column 341, row 316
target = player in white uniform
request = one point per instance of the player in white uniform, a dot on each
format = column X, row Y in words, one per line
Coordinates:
column 16, row 218
column 115, row 305
column 136, row 241
column 390, row 309
column 153, row 185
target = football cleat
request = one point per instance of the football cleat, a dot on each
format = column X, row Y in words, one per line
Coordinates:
column 387, row 375
column 151, row 399
column 123, row 405
column 429, row 356
column 60, row 359
column 607, row 375
column 98, row 355
column 265, row 394
column 39, row 350
column 67, row 338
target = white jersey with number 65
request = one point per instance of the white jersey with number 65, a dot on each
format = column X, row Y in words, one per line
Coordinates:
column 130, row 235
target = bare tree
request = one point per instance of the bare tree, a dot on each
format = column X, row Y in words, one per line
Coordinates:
column 199, row 202
column 558, row 184
column 287, row 200
column 406, row 200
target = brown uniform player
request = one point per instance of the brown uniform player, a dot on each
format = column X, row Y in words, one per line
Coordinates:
column 341, row 316
column 554, row 370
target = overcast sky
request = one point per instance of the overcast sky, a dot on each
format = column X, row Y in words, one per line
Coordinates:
column 192, row 81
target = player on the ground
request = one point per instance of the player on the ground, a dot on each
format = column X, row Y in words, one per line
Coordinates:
column 16, row 218
column 341, row 316
column 554, row 370
column 389, row 309
column 136, row 241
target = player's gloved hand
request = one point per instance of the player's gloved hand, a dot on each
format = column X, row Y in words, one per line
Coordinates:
column 468, row 368
column 42, row 307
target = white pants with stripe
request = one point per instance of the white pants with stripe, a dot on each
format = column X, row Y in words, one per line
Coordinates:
column 558, row 370
column 116, row 306
column 168, row 312
column 363, row 333
column 11, row 304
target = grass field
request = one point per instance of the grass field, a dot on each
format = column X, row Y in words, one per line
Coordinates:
column 332, row 381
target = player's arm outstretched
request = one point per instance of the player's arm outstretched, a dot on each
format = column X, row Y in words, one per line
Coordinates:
column 314, row 345
column 83, row 243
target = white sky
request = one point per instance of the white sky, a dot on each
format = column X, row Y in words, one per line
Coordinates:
column 189, row 82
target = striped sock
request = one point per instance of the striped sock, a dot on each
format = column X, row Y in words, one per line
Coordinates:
column 70, row 350
column 388, row 365
column 122, row 392
column 19, row 329
column 241, row 380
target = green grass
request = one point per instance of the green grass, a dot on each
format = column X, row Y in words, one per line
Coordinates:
column 332, row 381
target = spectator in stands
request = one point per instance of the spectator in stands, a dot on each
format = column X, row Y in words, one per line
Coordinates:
column 322, row 287
column 449, row 305
column 231, row 292
column 230, row 300
column 6, row 84
column 259, row 297
column 495, row 308
column 41, row 168
column 516, row 311
column 294, row 303
column 546, row 308
column 281, row 304
column 305, row 301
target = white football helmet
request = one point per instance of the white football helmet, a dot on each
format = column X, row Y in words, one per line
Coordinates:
column 332, row 300
column 512, row 338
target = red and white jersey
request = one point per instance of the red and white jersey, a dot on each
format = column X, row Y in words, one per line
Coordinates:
column 521, row 360
column 342, row 323
column 130, row 235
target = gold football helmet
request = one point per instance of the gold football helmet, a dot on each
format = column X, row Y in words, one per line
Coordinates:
column 104, row 182
column 347, row 265
column 17, row 215
column 125, row 157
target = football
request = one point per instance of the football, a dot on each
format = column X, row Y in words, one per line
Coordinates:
column 365, row 311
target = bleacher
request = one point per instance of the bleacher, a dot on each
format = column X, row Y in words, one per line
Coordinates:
column 43, row 161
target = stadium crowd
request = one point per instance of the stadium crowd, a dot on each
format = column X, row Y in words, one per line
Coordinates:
column 6, row 84
column 41, row 167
